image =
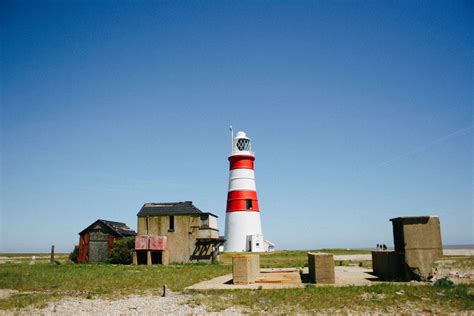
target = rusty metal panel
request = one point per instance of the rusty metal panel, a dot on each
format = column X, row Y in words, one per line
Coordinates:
column 158, row 243
column 141, row 242
column 98, row 251
column 83, row 248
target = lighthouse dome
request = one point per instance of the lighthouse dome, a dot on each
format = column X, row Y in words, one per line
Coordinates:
column 241, row 134
column 242, row 145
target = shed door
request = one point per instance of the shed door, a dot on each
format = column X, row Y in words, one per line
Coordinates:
column 98, row 247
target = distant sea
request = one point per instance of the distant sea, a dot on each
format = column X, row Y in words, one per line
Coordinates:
column 469, row 246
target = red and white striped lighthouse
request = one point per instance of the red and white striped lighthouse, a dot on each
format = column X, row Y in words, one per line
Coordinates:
column 243, row 230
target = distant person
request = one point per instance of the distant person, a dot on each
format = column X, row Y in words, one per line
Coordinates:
column 384, row 247
column 378, row 246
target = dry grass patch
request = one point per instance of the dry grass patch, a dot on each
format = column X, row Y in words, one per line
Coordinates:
column 292, row 258
column 377, row 298
column 50, row 281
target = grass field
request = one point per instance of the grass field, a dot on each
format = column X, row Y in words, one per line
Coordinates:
column 295, row 258
column 43, row 282
column 50, row 281
column 397, row 298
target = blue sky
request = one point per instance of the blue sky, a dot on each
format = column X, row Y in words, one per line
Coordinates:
column 359, row 111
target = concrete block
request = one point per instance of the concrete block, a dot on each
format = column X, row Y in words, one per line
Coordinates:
column 418, row 240
column 321, row 267
column 389, row 265
column 420, row 262
column 245, row 268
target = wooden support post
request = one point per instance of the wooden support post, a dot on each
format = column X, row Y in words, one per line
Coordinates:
column 134, row 258
column 165, row 257
column 148, row 258
column 215, row 254
column 52, row 254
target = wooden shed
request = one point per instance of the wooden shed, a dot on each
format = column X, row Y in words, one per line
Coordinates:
column 98, row 239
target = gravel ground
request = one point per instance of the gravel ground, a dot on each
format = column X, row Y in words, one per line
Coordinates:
column 172, row 304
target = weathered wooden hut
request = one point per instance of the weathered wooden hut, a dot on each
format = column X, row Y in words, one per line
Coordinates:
column 98, row 239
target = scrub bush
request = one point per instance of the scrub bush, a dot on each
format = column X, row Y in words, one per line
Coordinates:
column 122, row 251
column 73, row 256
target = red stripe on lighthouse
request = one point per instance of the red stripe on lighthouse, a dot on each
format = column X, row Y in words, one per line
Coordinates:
column 242, row 201
column 241, row 162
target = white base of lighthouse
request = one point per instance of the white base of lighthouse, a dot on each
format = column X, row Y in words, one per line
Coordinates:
column 240, row 229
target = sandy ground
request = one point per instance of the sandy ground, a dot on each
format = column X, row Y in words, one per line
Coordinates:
column 172, row 304
column 289, row 278
column 458, row 252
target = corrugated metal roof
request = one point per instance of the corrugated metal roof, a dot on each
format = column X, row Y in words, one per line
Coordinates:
column 170, row 208
column 120, row 229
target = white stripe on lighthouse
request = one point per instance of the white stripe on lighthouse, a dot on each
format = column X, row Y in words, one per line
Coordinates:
column 242, row 179
column 238, row 226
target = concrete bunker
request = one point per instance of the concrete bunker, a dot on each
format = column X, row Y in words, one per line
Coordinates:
column 418, row 244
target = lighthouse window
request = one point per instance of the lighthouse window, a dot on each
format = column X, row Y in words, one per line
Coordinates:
column 248, row 203
column 243, row 144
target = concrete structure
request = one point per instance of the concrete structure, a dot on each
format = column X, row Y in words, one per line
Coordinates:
column 97, row 240
column 418, row 244
column 243, row 230
column 419, row 240
column 388, row 265
column 245, row 269
column 283, row 278
column 321, row 268
column 191, row 235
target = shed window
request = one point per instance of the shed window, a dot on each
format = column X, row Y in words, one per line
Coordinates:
column 171, row 228
column 248, row 203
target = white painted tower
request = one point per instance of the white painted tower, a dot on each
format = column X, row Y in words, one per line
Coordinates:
column 243, row 230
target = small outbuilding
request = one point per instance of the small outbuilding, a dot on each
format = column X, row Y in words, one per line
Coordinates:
column 98, row 239
column 183, row 233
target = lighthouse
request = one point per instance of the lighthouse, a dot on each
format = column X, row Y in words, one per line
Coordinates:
column 243, row 229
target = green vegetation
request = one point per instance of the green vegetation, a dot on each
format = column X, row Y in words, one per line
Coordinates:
column 444, row 283
column 42, row 282
column 122, row 251
column 74, row 255
column 298, row 258
column 381, row 298
column 25, row 300
column 48, row 281
column 104, row 278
